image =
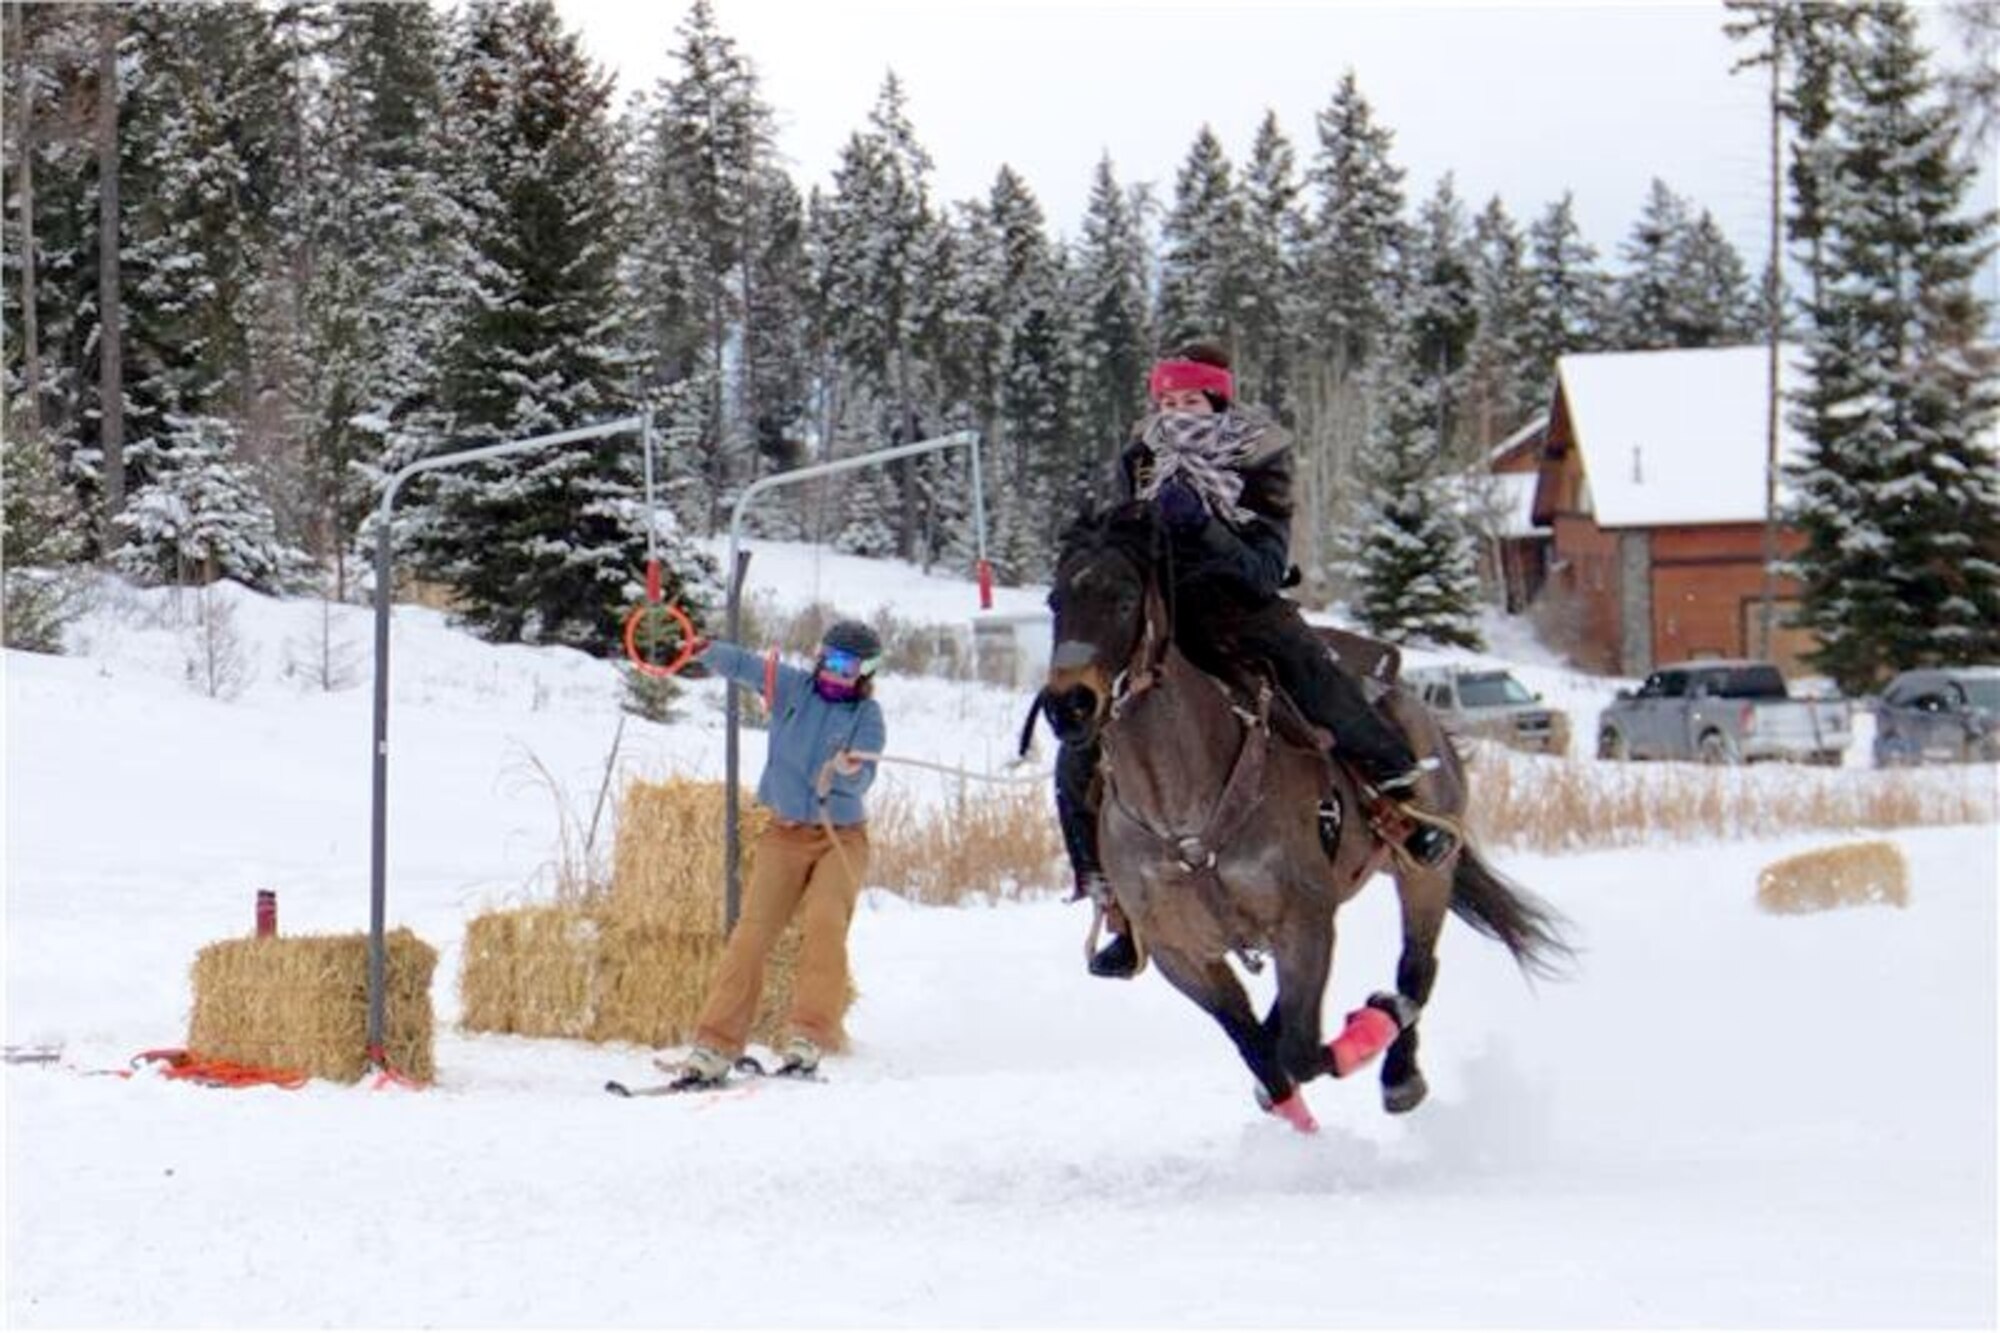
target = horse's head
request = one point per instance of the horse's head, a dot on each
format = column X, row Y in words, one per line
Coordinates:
column 1100, row 597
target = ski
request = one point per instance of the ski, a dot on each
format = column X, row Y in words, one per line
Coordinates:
column 744, row 1074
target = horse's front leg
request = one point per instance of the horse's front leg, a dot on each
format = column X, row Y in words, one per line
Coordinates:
column 1210, row 984
column 1304, row 956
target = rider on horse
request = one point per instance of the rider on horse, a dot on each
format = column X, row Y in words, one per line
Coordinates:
column 1221, row 479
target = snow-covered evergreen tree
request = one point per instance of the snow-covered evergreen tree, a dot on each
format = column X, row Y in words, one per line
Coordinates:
column 1352, row 251
column 200, row 515
column 1899, row 497
column 1272, row 309
column 1501, row 385
column 1414, row 561
column 1568, row 295
column 1202, row 250
column 1646, row 297
column 547, row 546
column 39, row 536
column 1413, row 564
column 1114, row 335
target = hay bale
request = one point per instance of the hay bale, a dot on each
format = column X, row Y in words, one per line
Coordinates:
column 301, row 1002
column 634, row 963
column 529, row 971
column 1848, row 875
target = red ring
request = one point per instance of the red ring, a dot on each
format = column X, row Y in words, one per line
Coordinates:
column 689, row 642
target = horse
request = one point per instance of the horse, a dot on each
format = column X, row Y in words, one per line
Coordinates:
column 1226, row 829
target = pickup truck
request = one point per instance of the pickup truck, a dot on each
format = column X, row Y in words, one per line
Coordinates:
column 1722, row 712
column 1489, row 702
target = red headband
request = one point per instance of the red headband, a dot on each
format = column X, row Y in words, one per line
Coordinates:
column 1171, row 375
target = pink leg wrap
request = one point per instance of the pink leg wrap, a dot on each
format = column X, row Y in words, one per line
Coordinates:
column 1368, row 1032
column 1294, row 1112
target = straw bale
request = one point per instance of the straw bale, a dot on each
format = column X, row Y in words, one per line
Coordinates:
column 633, row 963
column 529, row 971
column 1847, row 875
column 301, row 1002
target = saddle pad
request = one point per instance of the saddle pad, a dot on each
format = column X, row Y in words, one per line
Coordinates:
column 1370, row 659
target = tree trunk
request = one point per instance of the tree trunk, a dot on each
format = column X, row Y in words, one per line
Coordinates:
column 31, row 339
column 111, row 373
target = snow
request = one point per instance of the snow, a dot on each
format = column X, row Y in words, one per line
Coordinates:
column 1724, row 1117
column 1679, row 436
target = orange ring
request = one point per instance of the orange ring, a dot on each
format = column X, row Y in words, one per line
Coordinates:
column 689, row 641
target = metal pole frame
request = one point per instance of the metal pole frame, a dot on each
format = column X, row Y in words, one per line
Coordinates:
column 732, row 889
column 378, row 851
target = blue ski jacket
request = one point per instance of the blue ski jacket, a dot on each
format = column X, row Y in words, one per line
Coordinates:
column 806, row 731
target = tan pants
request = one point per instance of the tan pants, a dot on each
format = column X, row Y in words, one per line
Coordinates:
column 796, row 868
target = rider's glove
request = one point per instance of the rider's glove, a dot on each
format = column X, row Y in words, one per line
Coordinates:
column 1182, row 509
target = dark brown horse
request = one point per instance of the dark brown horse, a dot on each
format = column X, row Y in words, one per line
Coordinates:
column 1223, row 833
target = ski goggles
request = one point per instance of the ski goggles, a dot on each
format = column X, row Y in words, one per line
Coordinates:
column 843, row 663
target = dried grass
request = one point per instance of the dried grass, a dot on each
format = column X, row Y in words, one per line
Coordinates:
column 1853, row 874
column 992, row 845
column 301, row 1002
column 1544, row 804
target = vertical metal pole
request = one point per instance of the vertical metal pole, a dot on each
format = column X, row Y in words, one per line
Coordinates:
column 378, row 842
column 732, row 764
column 1774, row 296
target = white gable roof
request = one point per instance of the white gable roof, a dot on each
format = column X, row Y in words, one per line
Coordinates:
column 1678, row 436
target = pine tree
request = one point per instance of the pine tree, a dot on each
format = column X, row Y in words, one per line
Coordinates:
column 201, row 514
column 1203, row 246
column 1272, row 308
column 1413, row 548
column 372, row 231
column 1501, row 383
column 878, row 253
column 1412, row 558
column 1646, row 297
column 40, row 535
column 1114, row 335
column 1898, row 496
column 547, row 546
column 1567, row 298
column 1352, row 249
column 1716, row 305
column 710, row 143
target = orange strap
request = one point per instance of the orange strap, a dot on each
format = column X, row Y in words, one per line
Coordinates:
column 770, row 679
column 213, row 1073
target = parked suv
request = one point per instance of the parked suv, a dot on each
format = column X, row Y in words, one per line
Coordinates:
column 1491, row 703
column 1721, row 712
column 1948, row 714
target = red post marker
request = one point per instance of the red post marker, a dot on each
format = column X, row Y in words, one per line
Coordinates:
column 985, row 585
column 267, row 913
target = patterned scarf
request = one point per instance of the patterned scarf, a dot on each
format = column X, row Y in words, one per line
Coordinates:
column 1205, row 452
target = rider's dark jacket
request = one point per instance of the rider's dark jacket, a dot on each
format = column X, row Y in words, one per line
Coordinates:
column 1243, row 566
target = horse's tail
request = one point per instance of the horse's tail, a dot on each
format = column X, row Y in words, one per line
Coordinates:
column 1502, row 910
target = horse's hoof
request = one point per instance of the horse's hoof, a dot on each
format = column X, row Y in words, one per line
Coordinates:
column 1405, row 1096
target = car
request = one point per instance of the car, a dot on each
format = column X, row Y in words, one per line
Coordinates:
column 1939, row 715
column 1491, row 703
column 1722, row 711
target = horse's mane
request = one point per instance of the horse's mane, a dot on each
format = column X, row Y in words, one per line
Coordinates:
column 1130, row 528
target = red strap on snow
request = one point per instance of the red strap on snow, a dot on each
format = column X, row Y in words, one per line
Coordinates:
column 214, row 1073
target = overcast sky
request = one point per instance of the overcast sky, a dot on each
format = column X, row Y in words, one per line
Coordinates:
column 1523, row 100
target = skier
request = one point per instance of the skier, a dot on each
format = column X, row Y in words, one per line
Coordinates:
column 822, row 721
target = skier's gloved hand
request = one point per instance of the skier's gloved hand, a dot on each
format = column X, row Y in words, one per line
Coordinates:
column 1182, row 509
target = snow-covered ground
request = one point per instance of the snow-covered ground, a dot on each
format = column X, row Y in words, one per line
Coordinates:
column 1724, row 1118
